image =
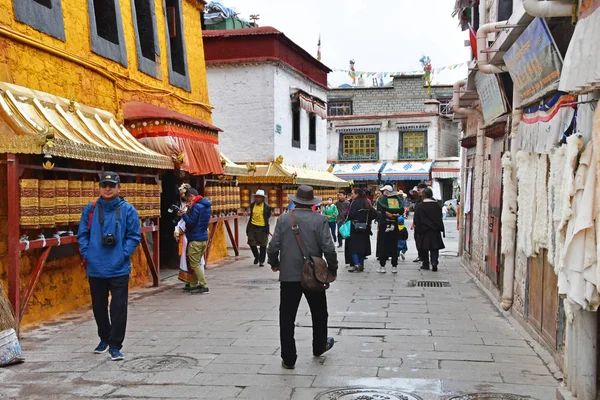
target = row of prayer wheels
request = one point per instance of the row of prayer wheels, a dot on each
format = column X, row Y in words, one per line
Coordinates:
column 324, row 194
column 48, row 203
column 225, row 199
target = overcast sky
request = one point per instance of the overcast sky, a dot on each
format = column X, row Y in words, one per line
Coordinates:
column 380, row 35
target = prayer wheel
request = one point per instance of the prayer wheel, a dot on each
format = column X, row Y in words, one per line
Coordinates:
column 245, row 198
column 209, row 193
column 47, row 203
column 87, row 192
column 75, row 208
column 149, row 199
column 29, row 202
column 273, row 198
column 124, row 192
column 156, row 201
column 62, row 202
column 238, row 203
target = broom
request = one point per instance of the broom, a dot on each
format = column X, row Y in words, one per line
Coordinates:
column 7, row 318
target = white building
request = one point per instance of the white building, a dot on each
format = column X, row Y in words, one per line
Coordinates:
column 269, row 97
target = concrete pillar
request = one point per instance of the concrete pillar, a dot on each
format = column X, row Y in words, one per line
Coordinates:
column 587, row 329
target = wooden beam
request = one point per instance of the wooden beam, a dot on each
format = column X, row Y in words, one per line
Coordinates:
column 211, row 237
column 14, row 263
column 156, row 247
column 33, row 279
column 153, row 268
column 234, row 243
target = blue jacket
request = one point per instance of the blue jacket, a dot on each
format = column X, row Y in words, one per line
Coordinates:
column 197, row 219
column 109, row 261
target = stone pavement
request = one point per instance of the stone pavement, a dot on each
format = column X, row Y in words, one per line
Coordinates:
column 432, row 342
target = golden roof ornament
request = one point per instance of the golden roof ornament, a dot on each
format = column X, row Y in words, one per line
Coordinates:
column 279, row 160
column 71, row 107
column 330, row 169
column 251, row 167
column 48, row 165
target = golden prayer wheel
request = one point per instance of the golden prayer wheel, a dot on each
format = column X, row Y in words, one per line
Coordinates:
column 47, row 203
column 87, row 192
column 218, row 203
column 75, row 207
column 62, row 202
column 29, row 202
column 124, row 192
column 238, row 203
column 273, row 198
column 245, row 198
column 149, row 199
column 156, row 201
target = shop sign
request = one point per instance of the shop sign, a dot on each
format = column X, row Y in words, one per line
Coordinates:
column 534, row 62
column 490, row 95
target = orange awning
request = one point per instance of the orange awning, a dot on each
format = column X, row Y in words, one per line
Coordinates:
column 192, row 143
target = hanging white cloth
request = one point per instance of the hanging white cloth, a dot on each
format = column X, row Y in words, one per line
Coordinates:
column 581, row 67
column 526, row 176
column 509, row 205
column 578, row 278
column 540, row 226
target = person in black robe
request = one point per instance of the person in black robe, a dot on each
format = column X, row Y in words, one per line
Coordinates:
column 429, row 228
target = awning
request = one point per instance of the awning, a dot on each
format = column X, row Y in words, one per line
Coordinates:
column 312, row 104
column 267, row 174
column 231, row 168
column 581, row 67
column 542, row 126
column 275, row 173
column 446, row 169
column 314, row 177
column 189, row 141
column 406, row 171
column 43, row 123
column 358, row 171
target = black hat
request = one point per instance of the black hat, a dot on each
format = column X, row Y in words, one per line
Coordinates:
column 305, row 195
column 108, row 176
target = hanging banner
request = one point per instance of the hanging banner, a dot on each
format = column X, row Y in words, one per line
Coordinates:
column 490, row 95
column 534, row 62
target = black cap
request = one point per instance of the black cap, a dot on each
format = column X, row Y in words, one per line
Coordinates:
column 108, row 176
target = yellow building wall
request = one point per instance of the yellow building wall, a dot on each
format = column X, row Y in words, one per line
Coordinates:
column 70, row 69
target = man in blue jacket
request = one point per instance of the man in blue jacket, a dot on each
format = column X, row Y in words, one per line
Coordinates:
column 109, row 233
column 196, row 220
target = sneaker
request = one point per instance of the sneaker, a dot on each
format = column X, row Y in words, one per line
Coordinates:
column 187, row 287
column 381, row 270
column 262, row 264
column 101, row 348
column 116, row 355
column 356, row 268
column 394, row 270
column 402, row 255
column 286, row 366
column 199, row 290
column 389, row 228
column 417, row 259
column 328, row 345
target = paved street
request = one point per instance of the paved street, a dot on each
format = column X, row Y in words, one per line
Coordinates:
column 432, row 342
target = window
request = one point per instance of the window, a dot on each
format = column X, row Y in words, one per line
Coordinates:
column 144, row 19
column 359, row 147
column 446, row 106
column 336, row 108
column 312, row 131
column 413, row 146
column 44, row 15
column 106, row 30
column 178, row 68
column 295, row 125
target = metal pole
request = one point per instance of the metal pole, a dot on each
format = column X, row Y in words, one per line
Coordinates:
column 14, row 266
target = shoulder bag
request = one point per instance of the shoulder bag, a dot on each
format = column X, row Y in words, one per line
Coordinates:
column 345, row 229
column 361, row 226
column 315, row 275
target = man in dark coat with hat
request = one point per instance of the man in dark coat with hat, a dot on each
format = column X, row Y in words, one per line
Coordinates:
column 285, row 257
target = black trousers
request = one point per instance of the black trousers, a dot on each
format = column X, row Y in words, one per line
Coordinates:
column 259, row 256
column 111, row 331
column 290, row 296
column 424, row 256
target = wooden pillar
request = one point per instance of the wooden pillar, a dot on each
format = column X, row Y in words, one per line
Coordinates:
column 587, row 327
column 156, row 247
column 14, row 266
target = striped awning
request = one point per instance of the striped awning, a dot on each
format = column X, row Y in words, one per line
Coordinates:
column 40, row 122
column 446, row 169
column 358, row 171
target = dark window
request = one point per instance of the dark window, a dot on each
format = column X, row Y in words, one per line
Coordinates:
column 505, row 9
column 106, row 20
column 295, row 125
column 312, row 132
column 176, row 36
column 45, row 3
column 145, row 26
column 44, row 15
column 144, row 19
column 335, row 108
column 106, row 30
column 178, row 68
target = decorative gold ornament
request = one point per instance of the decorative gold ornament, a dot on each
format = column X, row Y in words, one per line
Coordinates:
column 48, row 165
column 251, row 167
column 279, row 160
column 180, row 158
column 71, row 107
column 330, row 169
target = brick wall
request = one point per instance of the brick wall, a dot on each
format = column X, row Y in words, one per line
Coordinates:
column 448, row 140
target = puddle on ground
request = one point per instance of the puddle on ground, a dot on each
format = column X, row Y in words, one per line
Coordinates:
column 405, row 384
column 365, row 393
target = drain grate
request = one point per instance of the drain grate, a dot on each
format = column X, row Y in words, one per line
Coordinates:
column 159, row 363
column 429, row 284
column 364, row 393
column 490, row 396
column 262, row 281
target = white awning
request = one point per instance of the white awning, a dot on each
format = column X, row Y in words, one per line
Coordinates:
column 446, row 169
column 358, row 171
column 406, row 171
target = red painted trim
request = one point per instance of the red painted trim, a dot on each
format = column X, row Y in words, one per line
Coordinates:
column 173, row 131
column 33, row 279
column 14, row 262
column 135, row 110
